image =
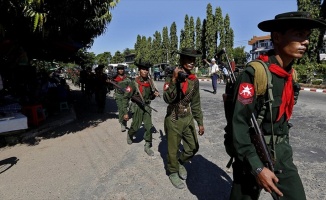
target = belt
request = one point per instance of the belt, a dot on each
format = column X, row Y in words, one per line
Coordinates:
column 278, row 138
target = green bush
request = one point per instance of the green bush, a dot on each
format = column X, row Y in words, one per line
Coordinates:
column 317, row 82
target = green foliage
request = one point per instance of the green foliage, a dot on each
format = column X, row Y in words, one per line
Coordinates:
column 103, row 58
column 240, row 56
column 308, row 72
column 317, row 82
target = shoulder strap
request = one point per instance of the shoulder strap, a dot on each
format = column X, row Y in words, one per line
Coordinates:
column 263, row 83
column 263, row 77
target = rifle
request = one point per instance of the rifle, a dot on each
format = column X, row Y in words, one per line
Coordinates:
column 258, row 137
column 136, row 99
column 153, row 86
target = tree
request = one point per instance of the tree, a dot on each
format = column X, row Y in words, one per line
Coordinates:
column 173, row 44
column 103, row 58
column 191, row 34
column 240, row 56
column 229, row 36
column 165, row 45
column 118, row 57
column 156, row 53
column 198, row 44
column 52, row 29
column 210, row 34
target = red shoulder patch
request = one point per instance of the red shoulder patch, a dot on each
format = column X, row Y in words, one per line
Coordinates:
column 128, row 89
column 246, row 93
column 166, row 86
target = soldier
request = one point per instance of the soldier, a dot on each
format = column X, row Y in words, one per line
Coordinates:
column 123, row 81
column 141, row 89
column 181, row 92
column 290, row 36
column 100, row 88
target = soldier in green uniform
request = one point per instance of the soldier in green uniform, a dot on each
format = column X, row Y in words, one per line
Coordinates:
column 123, row 81
column 140, row 88
column 290, row 36
column 181, row 92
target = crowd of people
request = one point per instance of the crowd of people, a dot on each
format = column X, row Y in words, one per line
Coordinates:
column 290, row 35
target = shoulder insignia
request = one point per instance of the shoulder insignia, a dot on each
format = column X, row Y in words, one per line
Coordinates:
column 166, row 86
column 246, row 93
column 128, row 89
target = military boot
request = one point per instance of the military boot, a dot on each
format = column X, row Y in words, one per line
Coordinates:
column 148, row 150
column 176, row 181
column 182, row 172
column 129, row 139
column 123, row 126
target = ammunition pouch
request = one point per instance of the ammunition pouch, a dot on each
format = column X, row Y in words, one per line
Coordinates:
column 178, row 110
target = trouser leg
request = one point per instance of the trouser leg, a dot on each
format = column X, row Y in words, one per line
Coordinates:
column 214, row 81
column 137, row 120
column 173, row 131
column 147, row 119
column 189, row 140
column 289, row 180
column 244, row 185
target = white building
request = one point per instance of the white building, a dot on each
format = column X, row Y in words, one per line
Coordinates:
column 261, row 44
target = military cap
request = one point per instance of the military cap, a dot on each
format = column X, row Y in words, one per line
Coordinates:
column 120, row 66
column 143, row 65
column 101, row 66
column 189, row 52
column 285, row 21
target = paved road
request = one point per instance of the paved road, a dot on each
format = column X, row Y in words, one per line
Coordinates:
column 90, row 159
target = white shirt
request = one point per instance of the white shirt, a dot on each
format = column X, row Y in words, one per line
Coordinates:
column 214, row 68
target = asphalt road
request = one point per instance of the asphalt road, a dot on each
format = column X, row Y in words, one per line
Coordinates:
column 90, row 159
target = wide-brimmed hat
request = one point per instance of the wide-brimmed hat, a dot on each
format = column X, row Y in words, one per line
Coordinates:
column 143, row 65
column 285, row 21
column 189, row 52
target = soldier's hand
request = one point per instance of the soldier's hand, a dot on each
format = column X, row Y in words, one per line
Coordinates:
column 201, row 130
column 126, row 117
column 156, row 93
column 267, row 179
column 175, row 74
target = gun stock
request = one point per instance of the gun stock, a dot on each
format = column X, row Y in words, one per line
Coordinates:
column 137, row 100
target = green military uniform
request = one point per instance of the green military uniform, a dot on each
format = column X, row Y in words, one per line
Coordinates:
column 140, row 113
column 247, row 160
column 123, row 82
column 179, row 121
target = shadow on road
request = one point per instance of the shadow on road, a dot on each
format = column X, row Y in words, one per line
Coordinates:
column 207, row 91
column 7, row 163
column 162, row 148
column 206, row 180
column 86, row 116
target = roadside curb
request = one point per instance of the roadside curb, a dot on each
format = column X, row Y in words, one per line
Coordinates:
column 314, row 90
column 204, row 79
column 302, row 88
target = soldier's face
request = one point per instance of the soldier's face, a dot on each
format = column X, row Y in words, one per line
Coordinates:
column 291, row 44
column 143, row 72
column 188, row 63
column 121, row 71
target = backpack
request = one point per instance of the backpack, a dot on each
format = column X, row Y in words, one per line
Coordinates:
column 262, row 84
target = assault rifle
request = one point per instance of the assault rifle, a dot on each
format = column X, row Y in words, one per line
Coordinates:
column 134, row 98
column 257, row 138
